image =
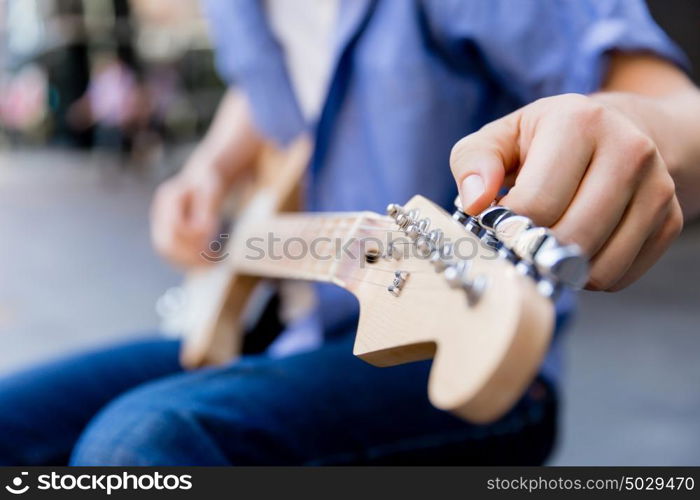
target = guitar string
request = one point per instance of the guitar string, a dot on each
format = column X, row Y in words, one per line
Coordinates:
column 347, row 225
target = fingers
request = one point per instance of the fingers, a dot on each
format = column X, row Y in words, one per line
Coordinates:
column 600, row 201
column 205, row 207
column 184, row 218
column 585, row 169
column 653, row 248
column 555, row 162
column 647, row 211
column 480, row 160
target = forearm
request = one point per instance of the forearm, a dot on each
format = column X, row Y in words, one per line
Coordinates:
column 677, row 132
column 232, row 141
column 664, row 103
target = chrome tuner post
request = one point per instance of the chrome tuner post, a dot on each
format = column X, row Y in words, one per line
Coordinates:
column 469, row 222
column 442, row 258
column 397, row 284
column 456, row 276
column 393, row 210
column 534, row 250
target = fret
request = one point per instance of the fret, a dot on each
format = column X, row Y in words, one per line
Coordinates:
column 301, row 246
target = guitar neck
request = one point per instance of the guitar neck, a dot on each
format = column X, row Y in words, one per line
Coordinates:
column 322, row 247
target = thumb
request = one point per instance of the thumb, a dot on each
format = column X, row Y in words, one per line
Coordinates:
column 480, row 161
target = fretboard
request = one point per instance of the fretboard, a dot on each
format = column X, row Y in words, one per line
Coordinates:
column 309, row 246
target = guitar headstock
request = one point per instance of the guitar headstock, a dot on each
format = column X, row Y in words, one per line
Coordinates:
column 474, row 293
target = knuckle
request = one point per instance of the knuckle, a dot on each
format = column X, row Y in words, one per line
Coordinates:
column 585, row 111
column 665, row 191
column 599, row 280
column 674, row 221
column 640, row 150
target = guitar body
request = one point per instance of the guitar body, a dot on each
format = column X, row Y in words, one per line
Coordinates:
column 217, row 295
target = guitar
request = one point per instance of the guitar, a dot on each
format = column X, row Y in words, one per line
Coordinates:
column 473, row 293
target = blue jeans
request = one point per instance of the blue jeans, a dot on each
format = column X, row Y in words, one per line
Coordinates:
column 133, row 405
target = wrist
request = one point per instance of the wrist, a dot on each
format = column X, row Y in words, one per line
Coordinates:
column 203, row 161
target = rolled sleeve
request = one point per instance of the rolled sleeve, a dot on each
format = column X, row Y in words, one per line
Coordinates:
column 629, row 28
column 537, row 48
column 248, row 57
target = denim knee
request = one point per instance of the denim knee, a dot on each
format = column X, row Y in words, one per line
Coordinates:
column 144, row 428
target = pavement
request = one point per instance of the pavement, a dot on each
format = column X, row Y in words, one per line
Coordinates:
column 77, row 270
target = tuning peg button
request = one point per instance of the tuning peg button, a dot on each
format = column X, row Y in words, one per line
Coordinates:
column 509, row 229
column 393, row 210
column 565, row 264
column 436, row 236
column 529, row 241
column 424, row 225
column 442, row 258
column 490, row 217
column 397, row 284
column 424, row 246
column 406, row 219
column 402, row 220
column 412, row 231
column 456, row 276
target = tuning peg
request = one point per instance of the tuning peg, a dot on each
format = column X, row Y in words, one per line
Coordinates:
column 455, row 273
column 548, row 288
column 405, row 219
column 435, row 236
column 529, row 241
column 566, row 264
column 442, row 258
column 424, row 225
column 412, row 231
column 470, row 223
column 526, row 269
column 397, row 284
column 475, row 289
column 459, row 214
column 427, row 243
column 509, row 229
column 489, row 217
column 401, row 219
column 489, row 240
column 456, row 276
column 424, row 246
column 393, row 210
column 393, row 252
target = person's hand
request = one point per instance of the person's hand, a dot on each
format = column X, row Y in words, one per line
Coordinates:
column 185, row 213
column 583, row 167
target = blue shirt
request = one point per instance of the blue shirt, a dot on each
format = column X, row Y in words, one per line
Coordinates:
column 412, row 77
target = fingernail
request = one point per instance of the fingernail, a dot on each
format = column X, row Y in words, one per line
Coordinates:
column 472, row 188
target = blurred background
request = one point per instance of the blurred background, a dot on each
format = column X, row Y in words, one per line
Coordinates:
column 101, row 100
